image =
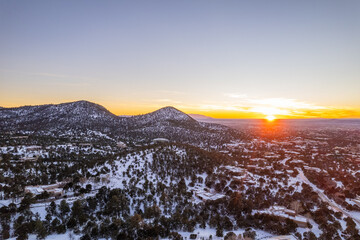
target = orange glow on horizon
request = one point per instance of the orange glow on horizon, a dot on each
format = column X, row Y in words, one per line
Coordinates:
column 270, row 118
column 269, row 110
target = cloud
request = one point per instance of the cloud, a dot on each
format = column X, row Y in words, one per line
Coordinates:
column 242, row 106
column 270, row 111
column 211, row 107
column 50, row 75
column 63, row 76
column 279, row 107
column 285, row 103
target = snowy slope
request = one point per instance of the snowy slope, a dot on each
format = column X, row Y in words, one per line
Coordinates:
column 82, row 117
column 78, row 115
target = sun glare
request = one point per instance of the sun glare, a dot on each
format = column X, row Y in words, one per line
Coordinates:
column 270, row 118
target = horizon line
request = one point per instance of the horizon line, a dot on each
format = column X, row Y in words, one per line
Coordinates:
column 201, row 114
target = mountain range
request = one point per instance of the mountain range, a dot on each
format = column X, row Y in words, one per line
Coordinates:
column 82, row 116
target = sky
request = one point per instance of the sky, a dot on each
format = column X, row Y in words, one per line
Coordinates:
column 225, row 59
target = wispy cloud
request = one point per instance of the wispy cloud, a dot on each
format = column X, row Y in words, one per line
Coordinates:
column 212, row 107
column 243, row 106
column 62, row 76
column 285, row 103
column 48, row 74
column 279, row 107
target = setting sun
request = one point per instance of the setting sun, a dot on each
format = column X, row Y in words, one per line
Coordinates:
column 270, row 118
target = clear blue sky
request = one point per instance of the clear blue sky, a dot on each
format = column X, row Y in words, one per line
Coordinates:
column 134, row 56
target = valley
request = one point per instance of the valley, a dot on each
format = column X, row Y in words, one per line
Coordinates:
column 76, row 171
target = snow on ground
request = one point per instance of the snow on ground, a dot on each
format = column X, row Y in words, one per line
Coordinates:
column 315, row 229
column 64, row 236
column 7, row 202
column 336, row 207
column 207, row 232
column 285, row 160
column 280, row 211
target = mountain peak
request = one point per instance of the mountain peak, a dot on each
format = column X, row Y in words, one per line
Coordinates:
column 170, row 113
column 80, row 103
column 86, row 117
column 71, row 115
column 170, row 109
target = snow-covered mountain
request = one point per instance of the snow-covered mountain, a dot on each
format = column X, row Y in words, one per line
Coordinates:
column 82, row 116
column 175, row 125
column 166, row 114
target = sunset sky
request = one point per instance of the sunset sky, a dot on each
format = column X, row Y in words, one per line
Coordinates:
column 225, row 59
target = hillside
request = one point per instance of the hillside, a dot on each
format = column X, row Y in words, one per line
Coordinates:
column 261, row 186
column 82, row 117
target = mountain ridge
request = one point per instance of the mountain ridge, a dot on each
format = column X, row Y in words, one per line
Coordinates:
column 82, row 116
